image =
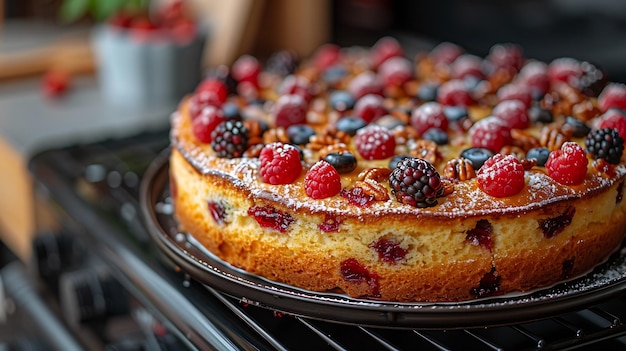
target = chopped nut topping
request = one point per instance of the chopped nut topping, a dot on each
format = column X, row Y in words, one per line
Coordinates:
column 447, row 187
column 425, row 149
column 276, row 134
column 459, row 168
column 585, row 111
column 371, row 181
column 516, row 151
column 553, row 137
column 255, row 131
column 524, row 140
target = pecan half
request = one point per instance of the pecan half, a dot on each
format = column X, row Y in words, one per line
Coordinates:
column 524, row 140
column 372, row 180
column 459, row 168
column 425, row 149
column 553, row 137
column 276, row 134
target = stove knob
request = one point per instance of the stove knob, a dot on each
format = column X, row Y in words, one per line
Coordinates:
column 54, row 254
column 89, row 294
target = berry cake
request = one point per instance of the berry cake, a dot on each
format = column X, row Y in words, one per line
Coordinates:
column 441, row 177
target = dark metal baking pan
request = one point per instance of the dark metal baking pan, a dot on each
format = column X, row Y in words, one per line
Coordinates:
column 607, row 280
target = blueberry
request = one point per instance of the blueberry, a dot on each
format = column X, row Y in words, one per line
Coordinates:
column 299, row 134
column 540, row 115
column 477, row 156
column 540, row 154
column 283, row 62
column 231, row 111
column 455, row 113
column 335, row 73
column 344, row 162
column 471, row 82
column 579, row 127
column 341, row 100
column 427, row 92
column 393, row 163
column 536, row 94
column 350, row 124
column 437, row 135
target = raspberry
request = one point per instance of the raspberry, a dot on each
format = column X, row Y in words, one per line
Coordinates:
column 513, row 113
column 614, row 119
column 429, row 115
column 446, row 53
column 279, row 163
column 385, row 48
column 454, row 93
column 534, row 75
column 466, row 66
column 375, row 142
column 204, row 124
column 370, row 107
column 568, row 165
column 564, row 69
column 247, row 69
column 322, row 180
column 501, row 175
column 490, row 133
column 327, row 55
column 364, row 83
column 214, row 86
column 290, row 109
column 298, row 85
column 395, row 71
column 415, row 182
column 606, row 144
column 230, row 139
column 506, row 56
column 515, row 92
column 612, row 96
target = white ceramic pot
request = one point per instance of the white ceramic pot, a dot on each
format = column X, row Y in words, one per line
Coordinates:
column 136, row 71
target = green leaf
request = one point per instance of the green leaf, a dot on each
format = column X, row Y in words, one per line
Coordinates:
column 72, row 10
column 101, row 10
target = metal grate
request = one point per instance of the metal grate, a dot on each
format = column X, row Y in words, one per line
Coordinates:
column 598, row 327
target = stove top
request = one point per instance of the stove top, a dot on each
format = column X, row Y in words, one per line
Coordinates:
column 113, row 286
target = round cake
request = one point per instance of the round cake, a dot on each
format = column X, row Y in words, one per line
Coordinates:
column 438, row 177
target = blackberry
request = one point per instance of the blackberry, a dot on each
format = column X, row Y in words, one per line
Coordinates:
column 605, row 143
column 230, row 139
column 592, row 80
column 415, row 182
column 283, row 62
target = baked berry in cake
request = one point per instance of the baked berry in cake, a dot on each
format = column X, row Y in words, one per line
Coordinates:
column 439, row 177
